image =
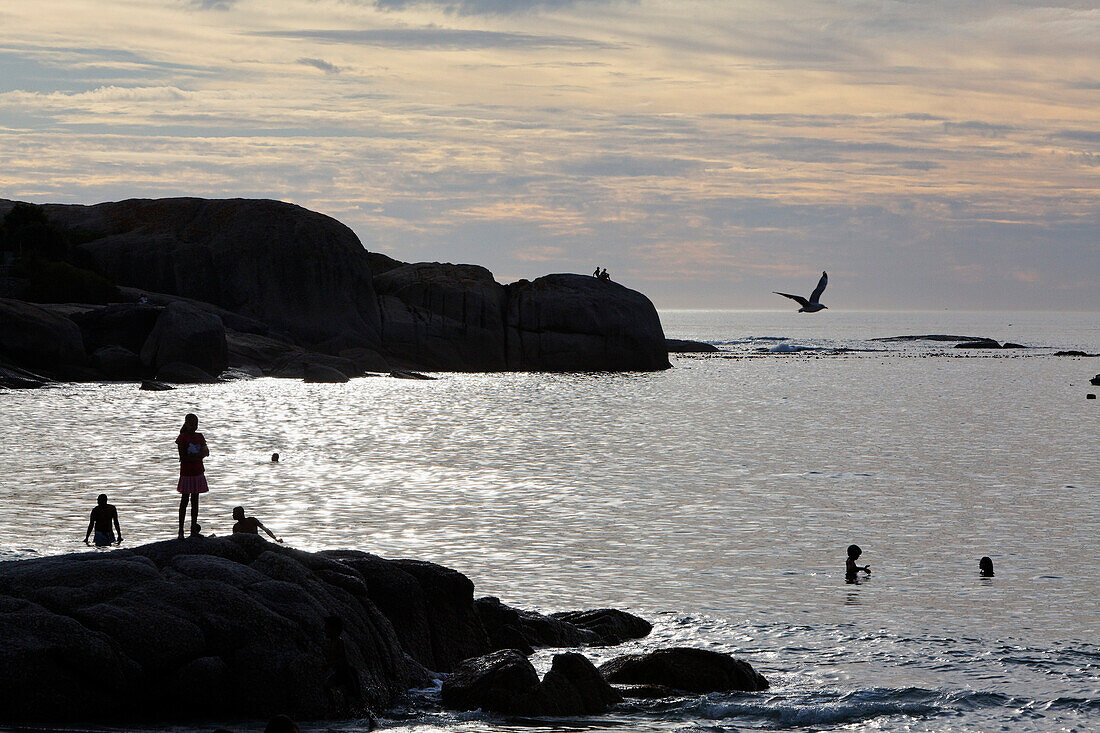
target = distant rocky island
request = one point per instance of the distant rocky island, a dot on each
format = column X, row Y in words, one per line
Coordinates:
column 238, row 628
column 183, row 289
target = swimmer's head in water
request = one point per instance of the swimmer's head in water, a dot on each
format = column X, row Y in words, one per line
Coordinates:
column 985, row 565
column 854, row 551
column 238, row 513
column 101, row 499
column 274, row 457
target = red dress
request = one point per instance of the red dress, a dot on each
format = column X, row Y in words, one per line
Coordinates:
column 192, row 474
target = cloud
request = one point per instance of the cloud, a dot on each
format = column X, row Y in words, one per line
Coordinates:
column 100, row 94
column 627, row 165
column 212, row 4
column 432, row 37
column 481, row 7
column 321, row 64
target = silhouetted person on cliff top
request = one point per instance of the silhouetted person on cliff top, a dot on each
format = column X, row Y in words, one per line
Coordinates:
column 603, row 275
column 596, row 272
column 102, row 516
column 985, row 567
column 249, row 525
column 851, row 570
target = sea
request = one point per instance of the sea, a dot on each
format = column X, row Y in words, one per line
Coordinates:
column 715, row 499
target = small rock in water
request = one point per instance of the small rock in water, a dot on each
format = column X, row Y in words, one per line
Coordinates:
column 401, row 374
column 1095, row 381
column 154, row 386
column 1090, row 396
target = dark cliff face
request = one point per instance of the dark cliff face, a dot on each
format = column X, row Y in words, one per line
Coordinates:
column 298, row 278
column 579, row 323
column 298, row 270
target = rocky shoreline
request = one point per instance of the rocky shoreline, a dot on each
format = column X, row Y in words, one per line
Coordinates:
column 234, row 628
column 199, row 286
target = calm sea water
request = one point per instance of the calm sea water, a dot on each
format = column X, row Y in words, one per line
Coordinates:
column 716, row 499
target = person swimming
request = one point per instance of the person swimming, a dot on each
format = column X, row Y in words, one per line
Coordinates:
column 985, row 567
column 850, row 568
column 103, row 514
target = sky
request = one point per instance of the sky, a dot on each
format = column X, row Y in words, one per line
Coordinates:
column 927, row 154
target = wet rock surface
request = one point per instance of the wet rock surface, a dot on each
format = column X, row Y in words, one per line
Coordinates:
column 682, row 668
column 506, row 682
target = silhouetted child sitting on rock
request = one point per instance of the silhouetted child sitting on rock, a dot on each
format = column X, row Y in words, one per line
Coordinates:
column 249, row 525
column 850, row 568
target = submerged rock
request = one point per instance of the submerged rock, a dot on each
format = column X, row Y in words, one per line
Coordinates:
column 683, row 346
column 154, row 386
column 681, row 668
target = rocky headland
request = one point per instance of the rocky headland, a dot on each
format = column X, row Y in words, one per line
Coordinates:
column 182, row 289
column 234, row 628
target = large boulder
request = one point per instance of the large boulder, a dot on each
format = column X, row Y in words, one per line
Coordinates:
column 118, row 363
column 506, row 682
column 177, row 372
column 121, row 324
column 682, row 668
column 192, row 629
column 36, row 338
column 582, row 323
column 321, row 374
column 296, row 269
column 442, row 316
column 187, row 335
column 431, row 607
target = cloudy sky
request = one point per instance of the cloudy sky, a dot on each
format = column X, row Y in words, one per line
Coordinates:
column 927, row 154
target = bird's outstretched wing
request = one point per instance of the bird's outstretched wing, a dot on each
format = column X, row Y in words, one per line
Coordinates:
column 816, row 294
column 798, row 298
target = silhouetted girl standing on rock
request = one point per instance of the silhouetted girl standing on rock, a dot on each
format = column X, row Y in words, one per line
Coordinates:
column 192, row 448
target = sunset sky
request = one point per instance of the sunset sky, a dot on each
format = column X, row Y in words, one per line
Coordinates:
column 927, row 154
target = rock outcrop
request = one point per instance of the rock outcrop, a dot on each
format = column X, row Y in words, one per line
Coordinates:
column 36, row 338
column 238, row 623
column 682, row 668
column 184, row 334
column 289, row 284
column 276, row 262
column 582, row 323
column 610, row 625
column 436, row 316
column 506, row 682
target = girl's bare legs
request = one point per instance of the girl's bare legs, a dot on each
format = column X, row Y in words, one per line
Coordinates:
column 183, row 511
column 194, row 512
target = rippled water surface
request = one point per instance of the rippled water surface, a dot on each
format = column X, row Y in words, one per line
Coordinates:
column 715, row 498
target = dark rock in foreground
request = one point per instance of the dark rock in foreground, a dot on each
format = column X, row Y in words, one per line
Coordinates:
column 684, row 346
column 233, row 627
column 680, row 668
column 506, row 682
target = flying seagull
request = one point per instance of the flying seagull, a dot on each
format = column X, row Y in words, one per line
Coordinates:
column 811, row 305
